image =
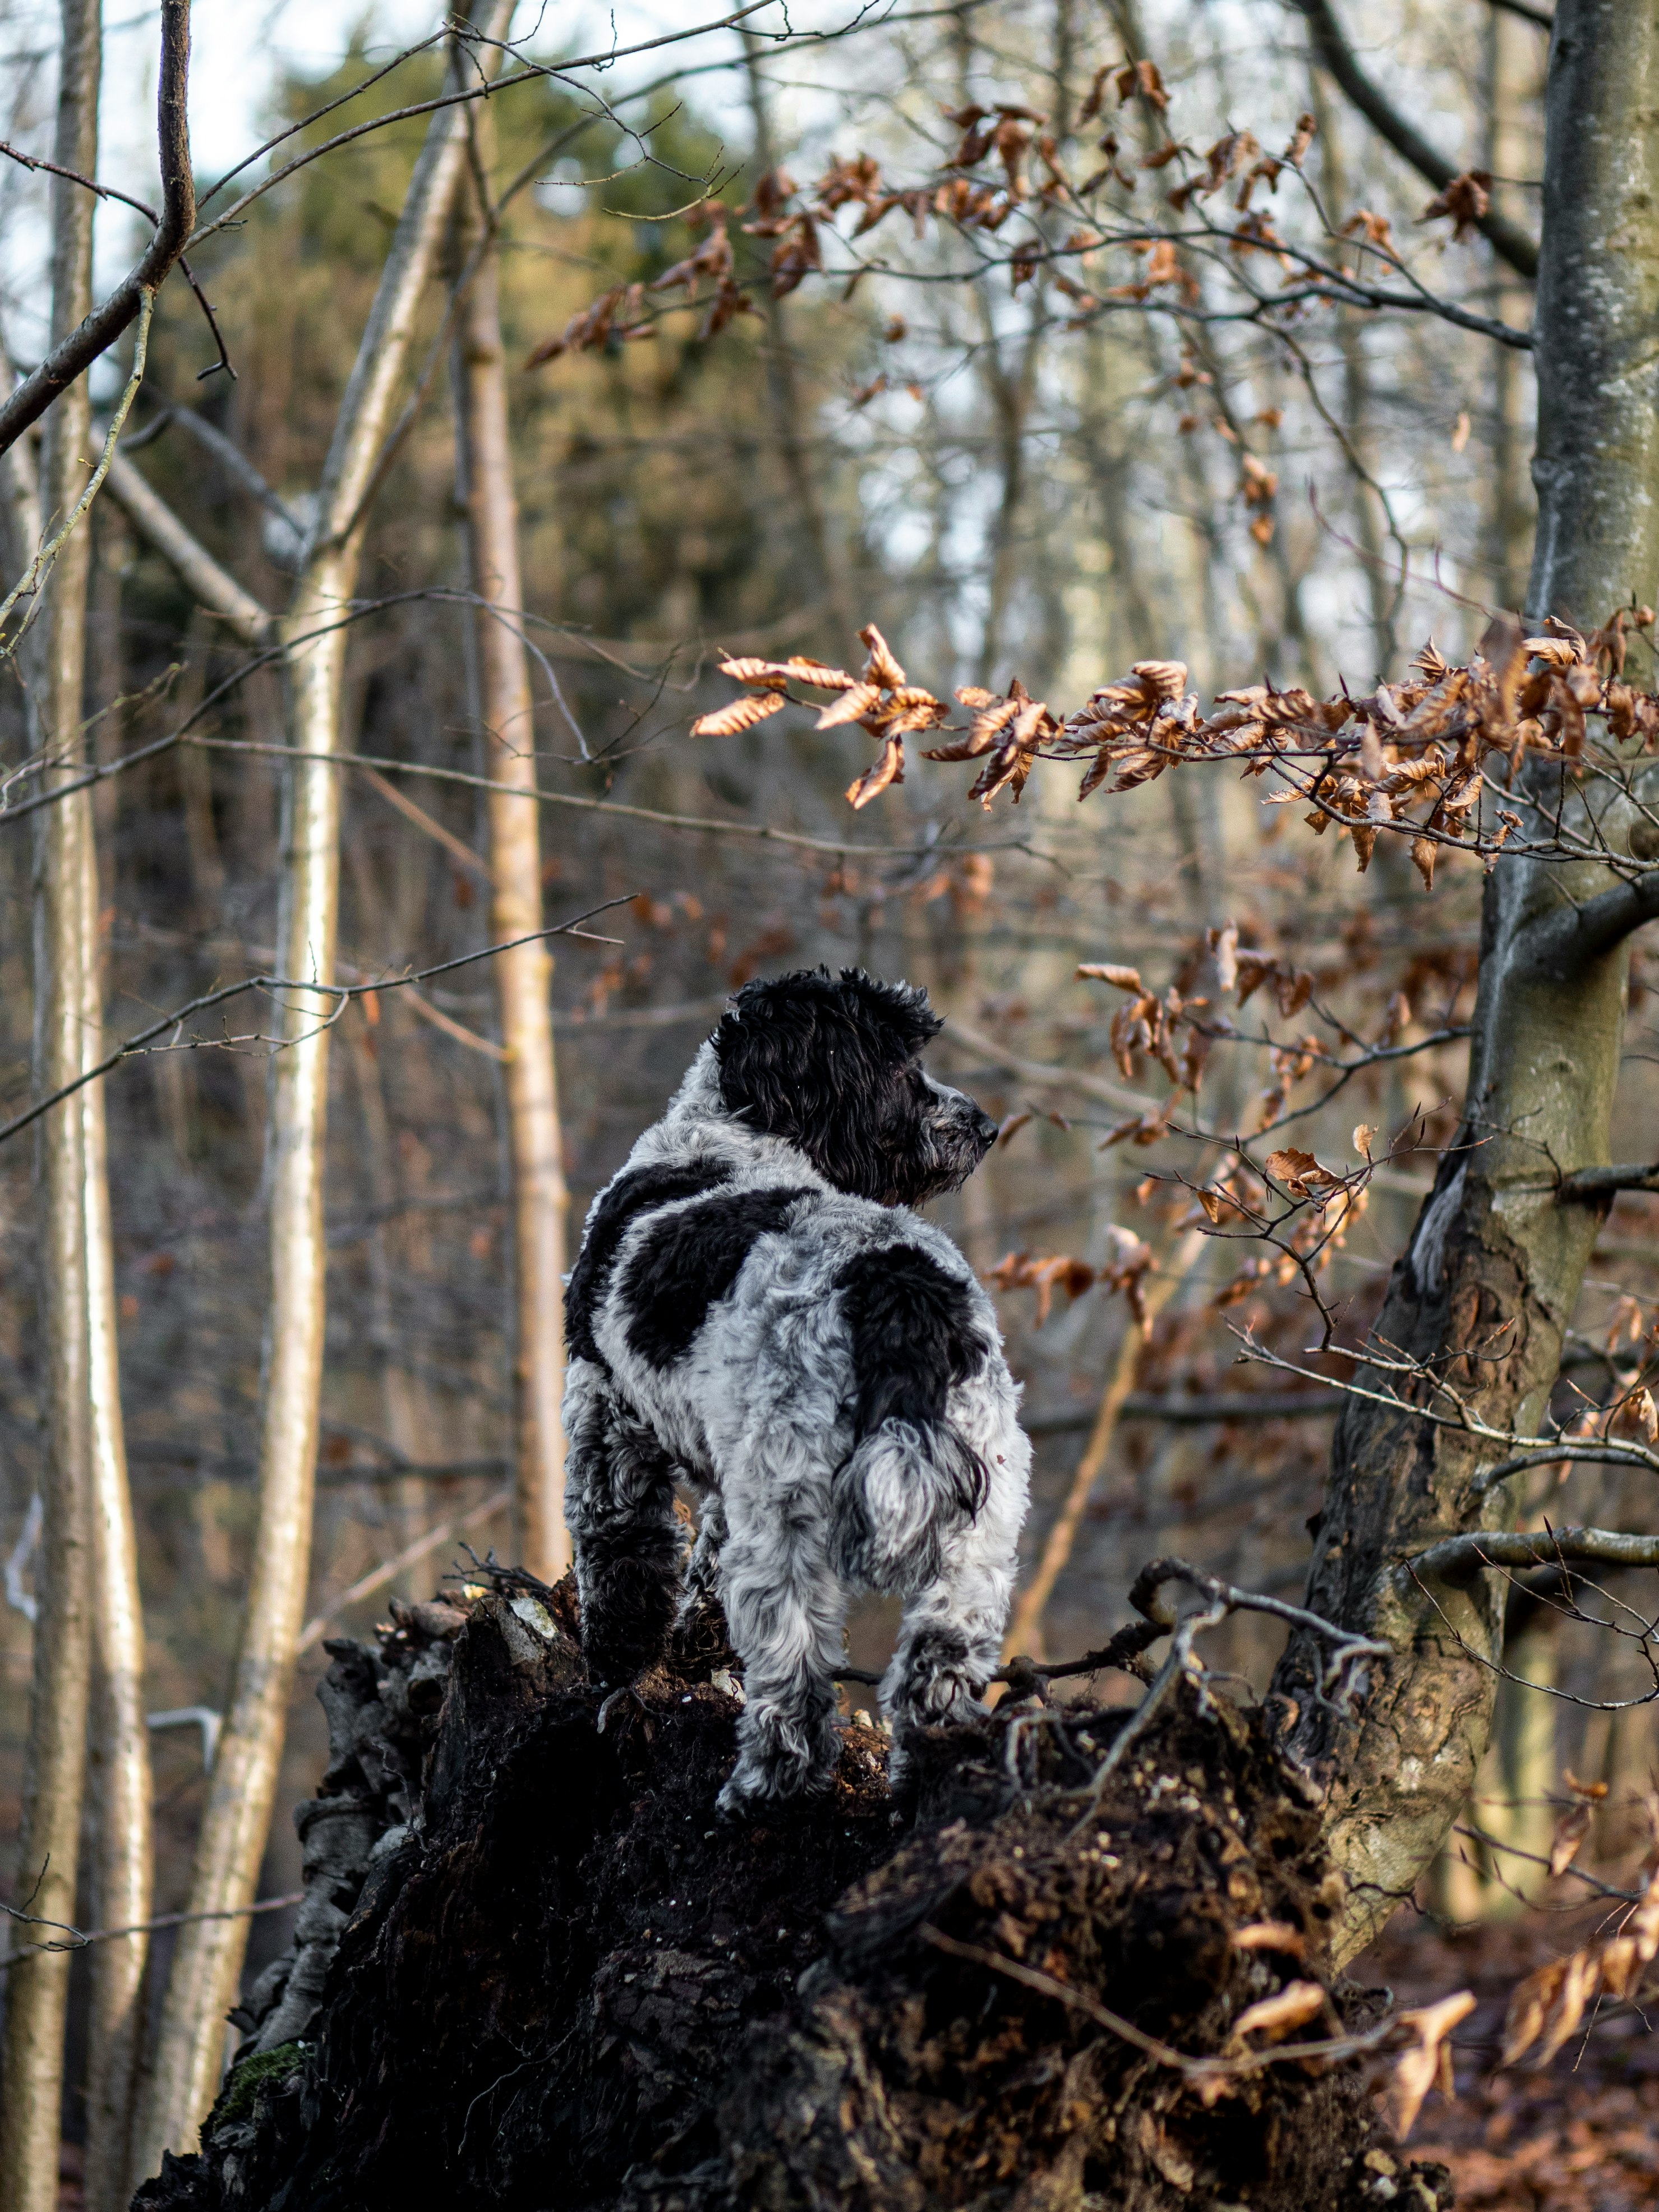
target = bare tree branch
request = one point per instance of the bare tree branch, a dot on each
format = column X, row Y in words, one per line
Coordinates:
column 98, row 331
column 1507, row 239
column 156, row 523
column 1596, row 1183
column 1458, row 1558
column 343, row 992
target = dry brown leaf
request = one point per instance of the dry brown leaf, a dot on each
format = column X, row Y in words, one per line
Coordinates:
column 1428, row 2060
column 1580, row 1979
column 1548, row 2006
column 1164, row 679
column 1104, row 971
column 881, row 667
column 770, row 675
column 1026, row 1271
column 1465, row 199
column 817, row 673
column 890, row 768
column 1271, row 1935
column 1294, row 153
column 1301, row 1173
column 1363, row 1135
column 851, row 707
column 1572, row 1825
column 1292, row 2006
column 742, row 714
column 1625, row 1320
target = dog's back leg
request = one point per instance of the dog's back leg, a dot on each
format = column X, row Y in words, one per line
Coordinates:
column 619, row 1507
column 784, row 1609
column 702, row 1568
column 950, row 1635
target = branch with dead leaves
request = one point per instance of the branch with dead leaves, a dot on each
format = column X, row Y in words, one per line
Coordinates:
column 1418, row 759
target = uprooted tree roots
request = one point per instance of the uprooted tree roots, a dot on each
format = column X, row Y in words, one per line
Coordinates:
column 558, row 1983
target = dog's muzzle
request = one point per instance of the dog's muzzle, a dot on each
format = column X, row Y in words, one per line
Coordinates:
column 961, row 1134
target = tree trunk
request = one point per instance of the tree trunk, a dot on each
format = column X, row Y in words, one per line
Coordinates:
column 1492, row 1250
column 524, row 975
column 207, row 1963
column 38, row 1986
column 783, row 398
column 120, row 1777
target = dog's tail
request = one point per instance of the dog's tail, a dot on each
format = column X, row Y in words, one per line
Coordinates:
column 907, row 1486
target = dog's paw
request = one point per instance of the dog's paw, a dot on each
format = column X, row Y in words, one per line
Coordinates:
column 942, row 1700
column 758, row 1789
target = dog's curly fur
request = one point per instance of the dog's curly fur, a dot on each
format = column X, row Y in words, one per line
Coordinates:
column 757, row 1311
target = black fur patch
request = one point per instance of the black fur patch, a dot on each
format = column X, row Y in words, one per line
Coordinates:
column 913, row 1335
column 628, row 1196
column 690, row 1261
column 829, row 1063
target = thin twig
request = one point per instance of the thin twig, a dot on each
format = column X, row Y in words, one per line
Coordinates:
column 40, row 568
column 101, row 329
column 1164, row 2054
column 80, row 1939
column 411, row 1555
column 344, row 992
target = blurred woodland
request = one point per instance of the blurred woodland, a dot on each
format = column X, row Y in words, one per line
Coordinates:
column 773, row 374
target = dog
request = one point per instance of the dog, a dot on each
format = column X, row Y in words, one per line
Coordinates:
column 757, row 1311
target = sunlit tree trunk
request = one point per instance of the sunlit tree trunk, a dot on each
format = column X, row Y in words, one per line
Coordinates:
column 524, row 975
column 120, row 1780
column 31, row 2089
column 207, row 1963
column 1493, row 1251
column 790, row 424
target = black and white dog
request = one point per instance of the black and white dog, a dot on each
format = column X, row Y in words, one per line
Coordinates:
column 756, row 1310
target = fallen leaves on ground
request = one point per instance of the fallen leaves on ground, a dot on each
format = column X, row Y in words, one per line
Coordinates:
column 1581, row 2134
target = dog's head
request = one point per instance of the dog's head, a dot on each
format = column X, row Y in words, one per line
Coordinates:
column 833, row 1064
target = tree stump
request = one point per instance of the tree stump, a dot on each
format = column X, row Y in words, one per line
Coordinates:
column 534, row 1970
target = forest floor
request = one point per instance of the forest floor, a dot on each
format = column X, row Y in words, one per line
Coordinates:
column 1581, row 2134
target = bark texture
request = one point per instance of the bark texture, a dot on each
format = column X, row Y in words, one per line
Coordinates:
column 560, row 1983
column 1490, row 1279
column 524, row 975
column 31, row 2091
column 206, row 1963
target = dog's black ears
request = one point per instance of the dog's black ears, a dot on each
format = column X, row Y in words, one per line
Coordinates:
column 810, row 1001
column 812, row 1058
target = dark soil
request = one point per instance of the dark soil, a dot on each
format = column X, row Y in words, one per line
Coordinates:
column 559, row 1984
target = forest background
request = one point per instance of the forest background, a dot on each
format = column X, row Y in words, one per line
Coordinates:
column 1048, row 468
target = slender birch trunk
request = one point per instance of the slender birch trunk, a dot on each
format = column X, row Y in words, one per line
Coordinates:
column 524, row 975
column 1487, row 1287
column 783, row 395
column 207, row 1963
column 38, row 1986
column 120, row 1780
